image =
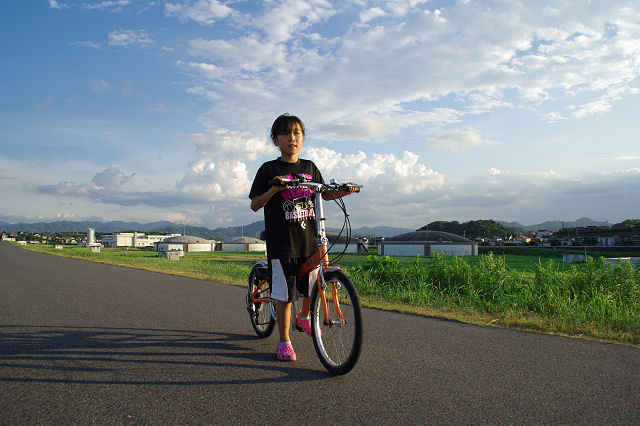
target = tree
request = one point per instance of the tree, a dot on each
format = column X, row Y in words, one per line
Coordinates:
column 471, row 229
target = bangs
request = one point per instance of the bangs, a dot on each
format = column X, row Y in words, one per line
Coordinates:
column 284, row 124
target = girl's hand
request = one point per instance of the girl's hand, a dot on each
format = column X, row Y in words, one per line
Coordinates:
column 277, row 184
column 353, row 188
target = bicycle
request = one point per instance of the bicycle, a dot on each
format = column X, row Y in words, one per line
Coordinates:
column 336, row 311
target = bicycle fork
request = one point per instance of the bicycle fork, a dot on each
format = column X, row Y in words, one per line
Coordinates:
column 322, row 285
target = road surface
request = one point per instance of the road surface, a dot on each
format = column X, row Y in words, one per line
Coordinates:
column 83, row 342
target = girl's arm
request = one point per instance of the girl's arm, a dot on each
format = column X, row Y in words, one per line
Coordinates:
column 332, row 195
column 261, row 200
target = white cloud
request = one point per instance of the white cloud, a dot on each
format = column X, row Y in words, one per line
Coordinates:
column 622, row 158
column 113, row 5
column 387, row 173
column 604, row 103
column 90, row 44
column 112, row 178
column 65, row 216
column 228, row 144
column 368, row 15
column 204, row 12
column 100, row 85
column 127, row 37
column 455, row 139
column 553, row 117
column 282, row 21
column 413, row 55
column 55, row 5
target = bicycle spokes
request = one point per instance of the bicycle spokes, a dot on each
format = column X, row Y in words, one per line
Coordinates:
column 336, row 323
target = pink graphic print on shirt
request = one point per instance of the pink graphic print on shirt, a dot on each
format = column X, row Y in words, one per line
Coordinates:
column 298, row 202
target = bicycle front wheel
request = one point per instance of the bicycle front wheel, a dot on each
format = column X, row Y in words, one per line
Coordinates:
column 338, row 338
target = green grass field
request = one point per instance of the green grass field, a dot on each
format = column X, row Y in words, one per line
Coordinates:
column 530, row 292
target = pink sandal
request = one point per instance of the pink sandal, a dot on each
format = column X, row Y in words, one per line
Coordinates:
column 285, row 352
column 303, row 324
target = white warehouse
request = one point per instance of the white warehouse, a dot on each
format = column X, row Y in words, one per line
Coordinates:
column 185, row 243
column 132, row 239
column 243, row 244
column 425, row 243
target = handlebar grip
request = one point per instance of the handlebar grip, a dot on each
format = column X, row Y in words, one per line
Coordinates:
column 347, row 187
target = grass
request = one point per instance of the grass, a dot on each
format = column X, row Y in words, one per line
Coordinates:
column 529, row 292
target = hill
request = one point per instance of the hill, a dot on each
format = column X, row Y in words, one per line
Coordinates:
column 471, row 229
column 219, row 234
column 69, row 226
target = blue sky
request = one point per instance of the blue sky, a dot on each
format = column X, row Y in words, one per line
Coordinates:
column 444, row 110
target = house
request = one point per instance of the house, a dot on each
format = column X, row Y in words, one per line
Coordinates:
column 609, row 241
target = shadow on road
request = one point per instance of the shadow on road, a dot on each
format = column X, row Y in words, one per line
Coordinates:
column 130, row 356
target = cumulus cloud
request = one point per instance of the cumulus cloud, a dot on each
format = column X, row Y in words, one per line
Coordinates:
column 384, row 173
column 112, row 178
column 225, row 143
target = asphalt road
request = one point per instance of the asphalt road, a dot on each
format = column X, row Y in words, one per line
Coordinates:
column 84, row 342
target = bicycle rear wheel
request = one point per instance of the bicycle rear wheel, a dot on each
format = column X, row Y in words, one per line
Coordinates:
column 338, row 343
column 260, row 312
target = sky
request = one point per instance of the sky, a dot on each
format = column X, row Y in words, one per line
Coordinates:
column 460, row 110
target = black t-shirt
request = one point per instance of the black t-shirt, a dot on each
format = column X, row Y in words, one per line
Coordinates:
column 289, row 216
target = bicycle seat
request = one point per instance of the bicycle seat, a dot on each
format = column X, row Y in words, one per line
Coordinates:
column 262, row 272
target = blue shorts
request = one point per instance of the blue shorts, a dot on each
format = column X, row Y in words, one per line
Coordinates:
column 286, row 285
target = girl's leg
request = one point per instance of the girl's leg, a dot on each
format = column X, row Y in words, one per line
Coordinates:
column 283, row 312
column 304, row 311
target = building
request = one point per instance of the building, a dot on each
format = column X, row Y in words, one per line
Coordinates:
column 425, row 243
column 337, row 244
column 184, row 244
column 609, row 241
column 243, row 244
column 132, row 239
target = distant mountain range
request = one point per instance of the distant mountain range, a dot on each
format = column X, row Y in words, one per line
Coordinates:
column 251, row 230
column 554, row 225
column 220, row 234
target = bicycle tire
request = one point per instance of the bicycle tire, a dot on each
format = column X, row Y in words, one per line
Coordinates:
column 260, row 313
column 338, row 345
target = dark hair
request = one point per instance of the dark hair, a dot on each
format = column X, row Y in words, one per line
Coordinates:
column 283, row 124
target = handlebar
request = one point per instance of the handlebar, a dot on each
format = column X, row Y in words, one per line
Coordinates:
column 320, row 187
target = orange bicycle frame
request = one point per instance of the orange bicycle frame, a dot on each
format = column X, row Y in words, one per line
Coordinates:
column 320, row 261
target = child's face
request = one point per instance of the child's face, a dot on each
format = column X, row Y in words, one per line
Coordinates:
column 290, row 142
